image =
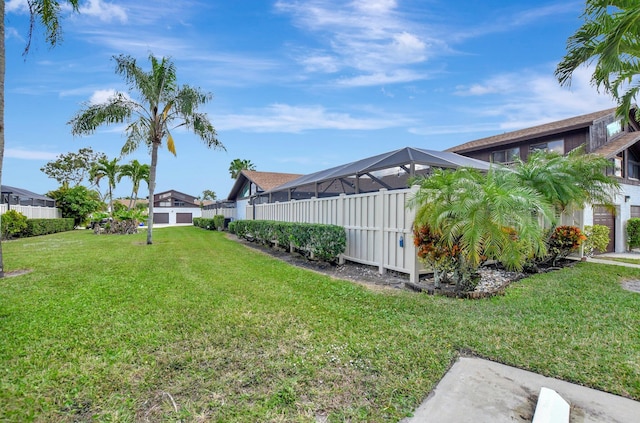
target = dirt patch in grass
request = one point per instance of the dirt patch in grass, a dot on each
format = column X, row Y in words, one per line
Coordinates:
column 631, row 285
column 18, row 272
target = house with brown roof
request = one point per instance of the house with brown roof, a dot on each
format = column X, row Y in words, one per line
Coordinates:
column 251, row 183
column 600, row 133
column 175, row 207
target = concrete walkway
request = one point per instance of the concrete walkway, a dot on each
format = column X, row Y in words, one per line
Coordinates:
column 482, row 391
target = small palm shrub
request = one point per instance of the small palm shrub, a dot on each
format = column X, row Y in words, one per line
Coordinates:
column 218, row 222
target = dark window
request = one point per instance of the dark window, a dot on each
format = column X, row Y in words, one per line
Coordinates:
column 556, row 146
column 505, row 156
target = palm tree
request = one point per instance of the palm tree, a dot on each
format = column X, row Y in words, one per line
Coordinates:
column 238, row 166
column 163, row 106
column 610, row 37
column 570, row 181
column 110, row 170
column 48, row 13
column 481, row 217
column 137, row 172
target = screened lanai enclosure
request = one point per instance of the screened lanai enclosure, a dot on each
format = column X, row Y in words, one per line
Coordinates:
column 392, row 170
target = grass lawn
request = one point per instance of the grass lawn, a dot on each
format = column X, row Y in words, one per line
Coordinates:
column 199, row 328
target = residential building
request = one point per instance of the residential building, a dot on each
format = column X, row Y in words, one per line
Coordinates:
column 600, row 133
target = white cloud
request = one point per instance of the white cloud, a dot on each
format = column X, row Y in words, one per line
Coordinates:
column 369, row 37
column 106, row 12
column 18, row 153
column 16, row 6
column 101, row 96
column 295, row 119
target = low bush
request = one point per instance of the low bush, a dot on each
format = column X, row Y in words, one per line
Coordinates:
column 218, row 222
column 633, row 232
column 597, row 239
column 36, row 227
column 323, row 242
column 204, row 223
column 13, row 224
column 563, row 241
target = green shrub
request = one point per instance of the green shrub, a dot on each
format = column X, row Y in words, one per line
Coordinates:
column 204, row 223
column 218, row 222
column 13, row 224
column 36, row 227
column 324, row 242
column 633, row 232
column 597, row 239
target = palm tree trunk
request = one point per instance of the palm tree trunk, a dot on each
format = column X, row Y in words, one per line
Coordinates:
column 152, row 187
column 131, row 201
column 2, row 68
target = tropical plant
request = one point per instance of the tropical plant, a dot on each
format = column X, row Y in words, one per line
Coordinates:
column 569, row 181
column 47, row 11
column 109, row 170
column 76, row 202
column 633, row 232
column 480, row 217
column 208, row 194
column 610, row 37
column 162, row 106
column 72, row 168
column 440, row 257
column 597, row 239
column 238, row 166
column 563, row 241
column 13, row 223
column 137, row 172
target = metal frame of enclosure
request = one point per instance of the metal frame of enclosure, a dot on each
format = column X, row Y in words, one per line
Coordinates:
column 368, row 198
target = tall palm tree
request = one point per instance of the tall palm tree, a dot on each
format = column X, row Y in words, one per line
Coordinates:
column 610, row 37
column 47, row 11
column 162, row 106
column 137, row 172
column 238, row 166
column 109, row 170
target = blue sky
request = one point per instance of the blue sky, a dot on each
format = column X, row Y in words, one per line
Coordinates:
column 298, row 85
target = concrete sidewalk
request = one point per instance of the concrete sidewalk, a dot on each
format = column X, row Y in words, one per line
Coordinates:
column 482, row 391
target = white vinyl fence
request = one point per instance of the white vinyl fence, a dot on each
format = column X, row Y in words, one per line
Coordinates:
column 228, row 213
column 378, row 225
column 34, row 212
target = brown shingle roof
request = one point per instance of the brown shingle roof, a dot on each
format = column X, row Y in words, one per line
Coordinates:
column 533, row 132
column 623, row 142
column 269, row 180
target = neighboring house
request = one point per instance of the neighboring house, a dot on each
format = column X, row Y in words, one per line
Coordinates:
column 250, row 184
column 174, row 207
column 600, row 133
column 28, row 203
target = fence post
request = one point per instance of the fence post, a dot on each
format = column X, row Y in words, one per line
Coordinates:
column 414, row 263
column 382, row 204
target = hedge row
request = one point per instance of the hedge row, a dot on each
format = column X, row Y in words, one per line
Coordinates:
column 37, row 227
column 217, row 223
column 323, row 242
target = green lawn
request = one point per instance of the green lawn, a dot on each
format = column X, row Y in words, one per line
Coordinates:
column 199, row 328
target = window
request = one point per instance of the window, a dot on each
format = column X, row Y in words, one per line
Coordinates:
column 246, row 190
column 555, row 146
column 614, row 128
column 505, row 156
column 178, row 203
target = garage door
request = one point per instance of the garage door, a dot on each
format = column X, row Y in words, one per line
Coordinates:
column 184, row 218
column 603, row 216
column 161, row 218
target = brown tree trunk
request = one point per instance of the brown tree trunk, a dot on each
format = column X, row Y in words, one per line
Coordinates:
column 152, row 188
column 2, row 70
